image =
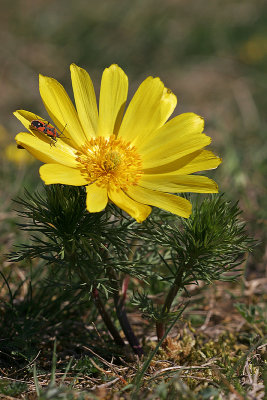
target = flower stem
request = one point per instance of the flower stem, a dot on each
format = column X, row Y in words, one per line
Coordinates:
column 125, row 325
column 99, row 304
column 109, row 324
column 119, row 302
column 160, row 325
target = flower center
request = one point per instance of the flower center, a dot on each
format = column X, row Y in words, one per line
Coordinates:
column 110, row 162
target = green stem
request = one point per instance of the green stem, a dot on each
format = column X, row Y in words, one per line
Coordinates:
column 176, row 286
column 172, row 293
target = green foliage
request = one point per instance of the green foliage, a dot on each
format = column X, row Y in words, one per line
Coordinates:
column 71, row 239
column 256, row 318
column 83, row 252
column 149, row 309
column 174, row 388
column 12, row 388
column 61, row 217
column 75, row 251
column 165, row 251
column 34, row 309
column 54, row 391
column 253, row 314
column 207, row 246
column 146, row 306
column 85, row 365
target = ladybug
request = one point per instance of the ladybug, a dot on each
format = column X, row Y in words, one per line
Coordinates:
column 46, row 128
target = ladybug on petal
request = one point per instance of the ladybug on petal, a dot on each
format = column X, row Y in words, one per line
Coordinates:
column 46, row 128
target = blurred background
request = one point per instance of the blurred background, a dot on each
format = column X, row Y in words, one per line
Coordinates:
column 212, row 55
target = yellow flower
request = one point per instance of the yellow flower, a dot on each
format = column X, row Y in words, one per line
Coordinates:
column 134, row 159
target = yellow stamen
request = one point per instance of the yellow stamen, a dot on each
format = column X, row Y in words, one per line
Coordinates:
column 110, row 162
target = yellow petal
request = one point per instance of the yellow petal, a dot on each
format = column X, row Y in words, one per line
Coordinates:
column 42, row 149
column 113, row 95
column 179, row 148
column 57, row 173
column 168, row 104
column 85, row 100
column 148, row 110
column 174, row 204
column 177, row 138
column 97, row 198
column 174, row 183
column 25, row 117
column 200, row 160
column 186, row 124
column 136, row 210
column 61, row 110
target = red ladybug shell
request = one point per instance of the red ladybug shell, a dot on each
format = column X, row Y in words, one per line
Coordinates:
column 44, row 127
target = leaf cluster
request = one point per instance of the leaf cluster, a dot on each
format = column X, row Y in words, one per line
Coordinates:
column 149, row 310
column 165, row 250
column 208, row 246
column 69, row 238
column 205, row 246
